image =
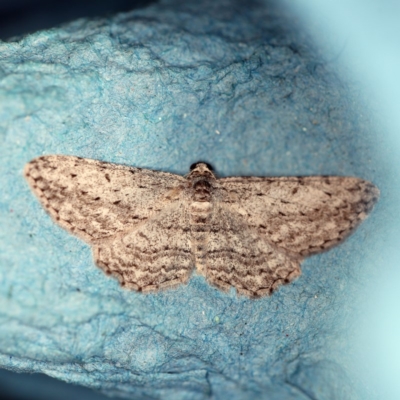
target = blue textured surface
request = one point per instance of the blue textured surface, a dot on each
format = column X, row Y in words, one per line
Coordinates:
column 238, row 86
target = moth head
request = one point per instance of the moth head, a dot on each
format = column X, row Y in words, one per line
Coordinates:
column 201, row 169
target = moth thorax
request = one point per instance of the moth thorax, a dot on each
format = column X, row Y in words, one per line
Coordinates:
column 202, row 191
column 200, row 212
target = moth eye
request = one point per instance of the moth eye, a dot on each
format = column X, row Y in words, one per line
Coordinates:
column 209, row 167
column 193, row 166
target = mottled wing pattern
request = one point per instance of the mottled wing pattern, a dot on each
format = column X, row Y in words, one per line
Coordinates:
column 302, row 216
column 148, row 228
column 238, row 256
column 155, row 255
column 96, row 200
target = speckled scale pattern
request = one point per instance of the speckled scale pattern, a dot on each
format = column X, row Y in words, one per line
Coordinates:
column 150, row 229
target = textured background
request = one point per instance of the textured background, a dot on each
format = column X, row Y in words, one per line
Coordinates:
column 242, row 87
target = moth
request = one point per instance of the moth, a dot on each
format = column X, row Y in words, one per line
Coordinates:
column 150, row 229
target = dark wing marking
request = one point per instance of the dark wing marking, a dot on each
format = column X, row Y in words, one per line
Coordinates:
column 236, row 255
column 156, row 255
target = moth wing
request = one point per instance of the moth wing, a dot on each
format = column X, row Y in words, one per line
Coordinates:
column 236, row 255
column 96, row 200
column 155, row 255
column 302, row 216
